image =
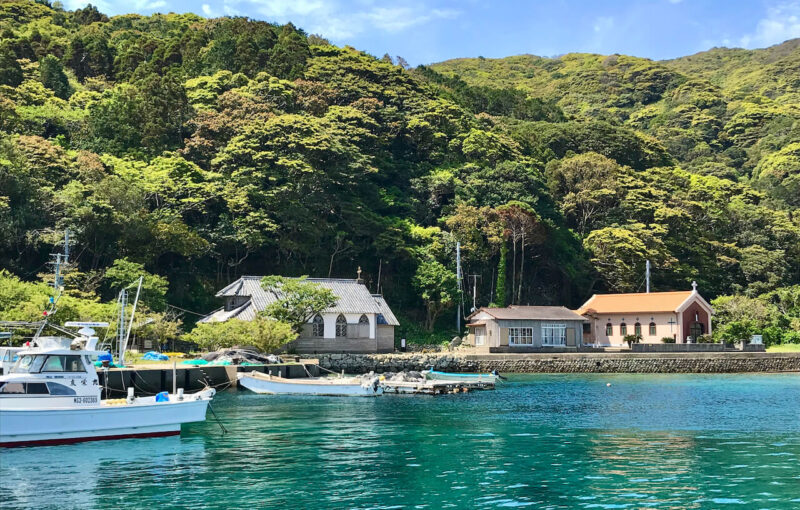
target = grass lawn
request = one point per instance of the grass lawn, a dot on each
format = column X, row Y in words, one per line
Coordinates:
column 784, row 348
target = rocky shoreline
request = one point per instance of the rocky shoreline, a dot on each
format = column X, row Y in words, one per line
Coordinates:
column 565, row 362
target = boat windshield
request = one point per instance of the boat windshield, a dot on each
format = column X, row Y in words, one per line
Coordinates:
column 28, row 364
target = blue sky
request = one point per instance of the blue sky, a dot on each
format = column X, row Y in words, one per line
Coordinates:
column 435, row 30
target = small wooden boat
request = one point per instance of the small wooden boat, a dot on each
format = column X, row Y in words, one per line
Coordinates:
column 455, row 376
column 328, row 386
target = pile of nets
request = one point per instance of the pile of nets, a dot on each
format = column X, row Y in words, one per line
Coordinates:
column 404, row 376
column 244, row 357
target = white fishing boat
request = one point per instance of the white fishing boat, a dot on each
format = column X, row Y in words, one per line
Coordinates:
column 329, row 386
column 52, row 396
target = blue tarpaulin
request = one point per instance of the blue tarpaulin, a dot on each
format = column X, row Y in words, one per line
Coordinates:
column 155, row 356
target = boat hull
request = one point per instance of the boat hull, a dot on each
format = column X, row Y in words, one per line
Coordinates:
column 277, row 386
column 28, row 427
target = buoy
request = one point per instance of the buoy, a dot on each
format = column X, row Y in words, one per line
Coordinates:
column 608, row 384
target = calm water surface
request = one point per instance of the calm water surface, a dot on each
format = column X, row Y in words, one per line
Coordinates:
column 542, row 441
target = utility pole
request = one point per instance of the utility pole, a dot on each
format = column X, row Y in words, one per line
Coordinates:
column 458, row 280
column 647, row 275
column 474, row 290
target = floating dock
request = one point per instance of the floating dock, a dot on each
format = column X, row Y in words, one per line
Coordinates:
column 435, row 387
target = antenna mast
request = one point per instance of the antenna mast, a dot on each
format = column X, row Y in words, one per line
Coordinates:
column 59, row 260
column 647, row 275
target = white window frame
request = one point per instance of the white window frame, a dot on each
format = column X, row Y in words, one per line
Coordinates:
column 554, row 334
column 480, row 339
column 520, row 336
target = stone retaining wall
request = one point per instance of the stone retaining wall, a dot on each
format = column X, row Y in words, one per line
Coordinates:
column 566, row 363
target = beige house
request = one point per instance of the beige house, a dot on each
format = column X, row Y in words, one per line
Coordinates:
column 524, row 328
column 652, row 316
column 358, row 322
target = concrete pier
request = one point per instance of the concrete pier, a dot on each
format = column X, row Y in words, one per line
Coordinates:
column 153, row 379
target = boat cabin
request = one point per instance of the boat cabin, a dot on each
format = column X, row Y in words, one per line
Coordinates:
column 55, row 372
column 8, row 356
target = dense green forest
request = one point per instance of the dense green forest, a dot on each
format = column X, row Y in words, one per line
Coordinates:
column 196, row 150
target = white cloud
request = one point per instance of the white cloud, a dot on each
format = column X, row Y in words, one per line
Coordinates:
column 603, row 24
column 337, row 19
column 207, row 10
column 782, row 22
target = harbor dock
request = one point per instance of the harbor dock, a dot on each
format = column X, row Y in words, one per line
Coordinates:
column 152, row 379
column 434, row 387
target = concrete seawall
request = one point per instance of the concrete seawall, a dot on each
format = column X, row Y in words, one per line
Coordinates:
column 707, row 362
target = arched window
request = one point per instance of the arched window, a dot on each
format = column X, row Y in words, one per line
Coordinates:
column 637, row 329
column 341, row 326
column 363, row 327
column 609, row 329
column 318, row 326
column 652, row 329
column 623, row 329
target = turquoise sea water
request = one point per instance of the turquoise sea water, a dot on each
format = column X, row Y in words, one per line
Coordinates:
column 539, row 441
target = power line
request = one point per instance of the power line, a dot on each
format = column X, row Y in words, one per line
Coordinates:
column 187, row 311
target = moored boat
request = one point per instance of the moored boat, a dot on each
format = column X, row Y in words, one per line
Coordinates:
column 432, row 374
column 327, row 386
column 52, row 396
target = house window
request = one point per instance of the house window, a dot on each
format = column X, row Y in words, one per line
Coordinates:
column 554, row 334
column 609, row 329
column 652, row 329
column 520, row 336
column 318, row 326
column 623, row 329
column 480, row 336
column 637, row 329
column 341, row 326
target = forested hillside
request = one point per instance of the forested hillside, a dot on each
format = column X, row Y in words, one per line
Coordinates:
column 201, row 149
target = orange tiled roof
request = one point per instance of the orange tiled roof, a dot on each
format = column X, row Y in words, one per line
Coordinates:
column 635, row 303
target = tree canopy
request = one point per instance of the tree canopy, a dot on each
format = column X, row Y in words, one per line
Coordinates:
column 205, row 149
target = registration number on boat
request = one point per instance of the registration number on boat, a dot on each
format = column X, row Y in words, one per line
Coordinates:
column 85, row 400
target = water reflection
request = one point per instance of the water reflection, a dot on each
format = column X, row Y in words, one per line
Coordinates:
column 540, row 441
column 79, row 475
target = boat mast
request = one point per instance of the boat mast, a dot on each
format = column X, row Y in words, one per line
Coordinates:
column 125, row 333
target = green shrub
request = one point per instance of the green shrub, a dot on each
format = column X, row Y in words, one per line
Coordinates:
column 791, row 337
column 632, row 339
column 668, row 340
column 262, row 333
